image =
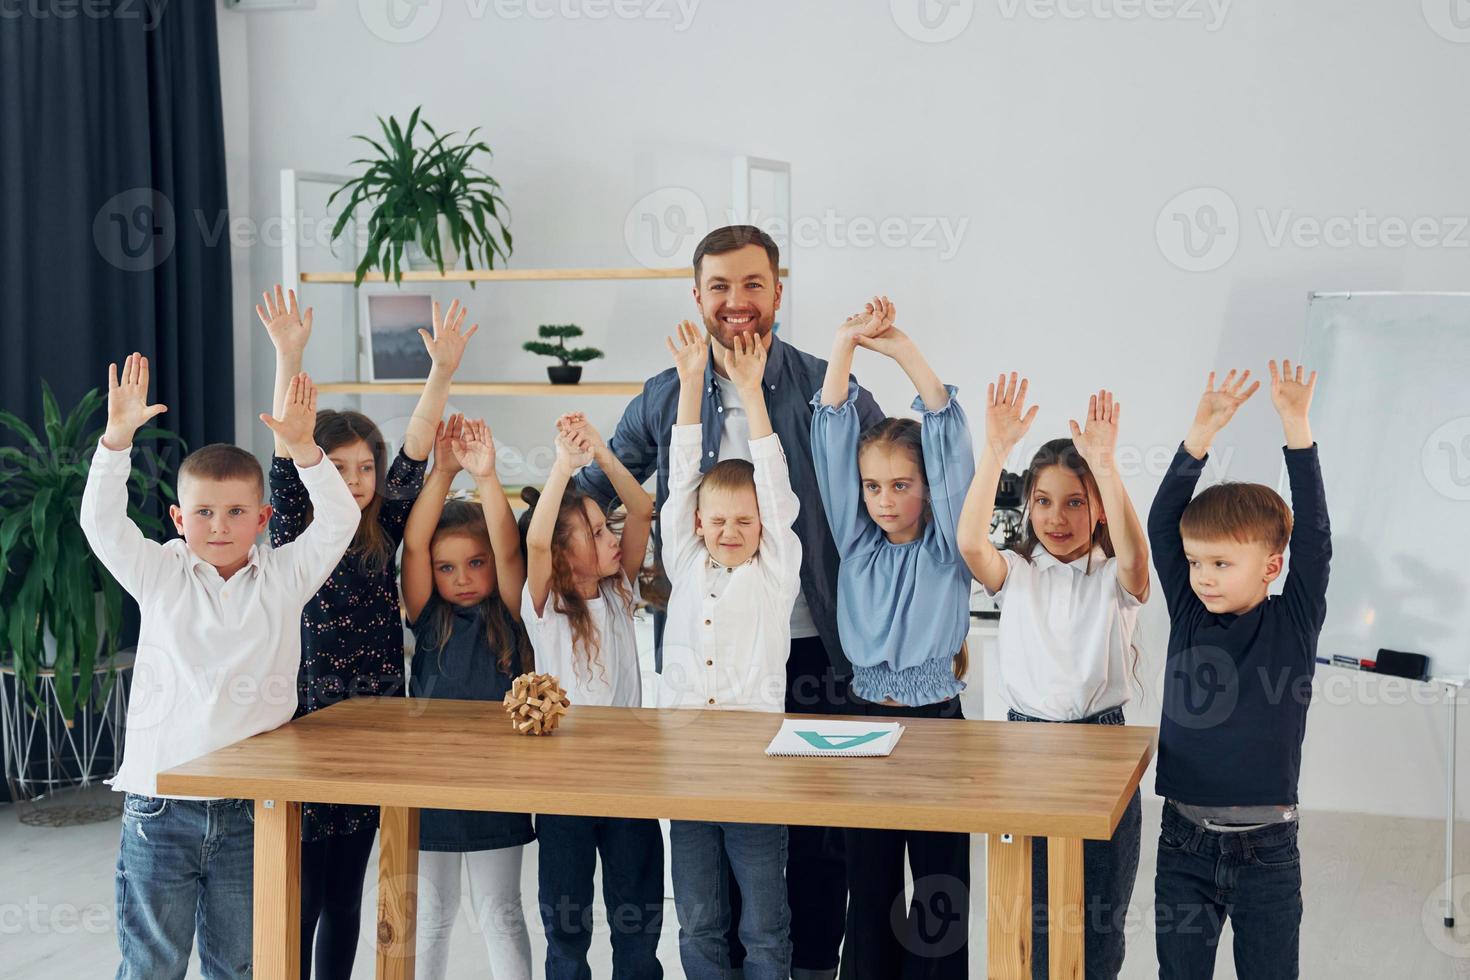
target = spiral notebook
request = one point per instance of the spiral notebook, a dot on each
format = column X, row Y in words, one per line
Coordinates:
column 849, row 738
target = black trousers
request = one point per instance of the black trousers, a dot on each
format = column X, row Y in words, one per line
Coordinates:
column 927, row 937
column 332, row 872
column 816, row 870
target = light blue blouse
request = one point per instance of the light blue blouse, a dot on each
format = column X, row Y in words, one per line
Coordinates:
column 903, row 610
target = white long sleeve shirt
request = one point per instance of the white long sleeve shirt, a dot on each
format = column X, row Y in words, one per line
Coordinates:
column 728, row 633
column 217, row 659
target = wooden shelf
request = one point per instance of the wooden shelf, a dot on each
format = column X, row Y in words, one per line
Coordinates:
column 587, row 388
column 511, row 275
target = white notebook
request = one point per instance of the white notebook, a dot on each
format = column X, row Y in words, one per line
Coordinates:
column 850, row 738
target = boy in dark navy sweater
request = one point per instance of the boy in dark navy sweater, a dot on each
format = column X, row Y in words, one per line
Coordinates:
column 1237, row 685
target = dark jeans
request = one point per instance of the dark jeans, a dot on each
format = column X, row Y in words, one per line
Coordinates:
column 332, row 871
column 185, row 868
column 927, row 937
column 816, row 872
column 1254, row 877
column 1109, row 868
column 632, row 853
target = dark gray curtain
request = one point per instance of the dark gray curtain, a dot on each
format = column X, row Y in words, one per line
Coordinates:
column 113, row 213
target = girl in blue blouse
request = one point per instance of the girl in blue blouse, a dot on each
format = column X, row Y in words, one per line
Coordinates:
column 462, row 578
column 893, row 495
column 351, row 630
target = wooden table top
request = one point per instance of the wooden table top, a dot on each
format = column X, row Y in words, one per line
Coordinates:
column 962, row 776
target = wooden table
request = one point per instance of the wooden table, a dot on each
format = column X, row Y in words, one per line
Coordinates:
column 1062, row 782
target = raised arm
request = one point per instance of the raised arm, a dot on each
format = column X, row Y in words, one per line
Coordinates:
column 746, row 362
column 289, row 330
column 885, row 338
column 475, row 450
column 1305, row 589
column 418, row 563
column 1005, row 427
column 1097, row 443
column 691, row 354
column 872, row 319
column 637, row 504
column 133, row 559
column 1217, row 406
column 446, row 348
column 634, row 442
column 686, row 443
column 542, row 529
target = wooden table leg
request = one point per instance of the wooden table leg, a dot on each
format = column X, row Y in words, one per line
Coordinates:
column 1064, row 897
column 398, row 891
column 277, row 890
column 1008, row 907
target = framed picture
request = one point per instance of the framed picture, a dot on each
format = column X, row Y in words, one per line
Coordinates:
column 395, row 351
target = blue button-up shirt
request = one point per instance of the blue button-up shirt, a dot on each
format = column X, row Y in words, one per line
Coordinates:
column 792, row 376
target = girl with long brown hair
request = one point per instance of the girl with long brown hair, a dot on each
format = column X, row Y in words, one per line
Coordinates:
column 1069, row 598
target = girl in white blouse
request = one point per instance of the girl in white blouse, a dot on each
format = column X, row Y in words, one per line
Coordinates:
column 1069, row 598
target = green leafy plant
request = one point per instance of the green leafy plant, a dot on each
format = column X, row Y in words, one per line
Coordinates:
column 560, row 350
column 49, row 579
column 407, row 188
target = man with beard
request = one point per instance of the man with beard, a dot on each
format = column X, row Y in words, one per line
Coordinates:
column 738, row 291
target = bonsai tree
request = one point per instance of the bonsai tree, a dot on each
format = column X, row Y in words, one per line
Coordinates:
column 408, row 188
column 50, row 582
column 566, row 355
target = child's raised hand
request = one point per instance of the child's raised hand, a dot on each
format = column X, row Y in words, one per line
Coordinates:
column 571, row 451
column 1098, row 437
column 691, row 353
column 288, row 328
column 1218, row 405
column 446, row 344
column 127, row 401
column 1005, row 426
column 297, row 425
column 449, row 431
column 1289, row 393
column 475, row 449
column 746, row 363
column 875, row 318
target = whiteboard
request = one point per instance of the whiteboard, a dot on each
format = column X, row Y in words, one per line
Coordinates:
column 1391, row 416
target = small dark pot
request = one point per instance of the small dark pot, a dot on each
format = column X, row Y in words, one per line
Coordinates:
column 565, row 374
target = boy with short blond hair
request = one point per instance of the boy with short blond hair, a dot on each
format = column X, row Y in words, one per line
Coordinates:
column 1237, row 685
column 218, row 653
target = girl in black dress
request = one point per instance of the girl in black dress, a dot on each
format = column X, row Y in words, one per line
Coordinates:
column 352, row 629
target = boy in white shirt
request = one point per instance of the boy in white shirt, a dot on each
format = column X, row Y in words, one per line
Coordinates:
column 218, row 653
column 734, row 564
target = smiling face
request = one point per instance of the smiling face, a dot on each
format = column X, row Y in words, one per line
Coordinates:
column 354, row 460
column 893, row 490
column 729, row 521
column 738, row 293
column 464, row 569
column 220, row 519
column 1062, row 516
column 1231, row 576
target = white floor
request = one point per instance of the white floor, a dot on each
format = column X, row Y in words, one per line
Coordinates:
column 1372, row 885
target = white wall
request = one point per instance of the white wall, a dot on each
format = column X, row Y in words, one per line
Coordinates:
column 1053, row 143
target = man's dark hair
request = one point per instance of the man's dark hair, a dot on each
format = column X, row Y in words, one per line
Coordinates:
column 732, row 237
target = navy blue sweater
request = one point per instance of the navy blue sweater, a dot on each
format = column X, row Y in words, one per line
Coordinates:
column 1237, row 687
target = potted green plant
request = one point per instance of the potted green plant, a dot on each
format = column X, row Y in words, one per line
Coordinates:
column 430, row 202
column 59, row 608
column 569, row 371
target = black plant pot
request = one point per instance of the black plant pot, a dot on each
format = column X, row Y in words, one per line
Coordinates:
column 565, row 374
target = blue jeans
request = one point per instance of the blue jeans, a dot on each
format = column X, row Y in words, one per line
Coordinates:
column 185, row 868
column 1109, row 869
column 703, row 854
column 1254, row 877
column 632, row 853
